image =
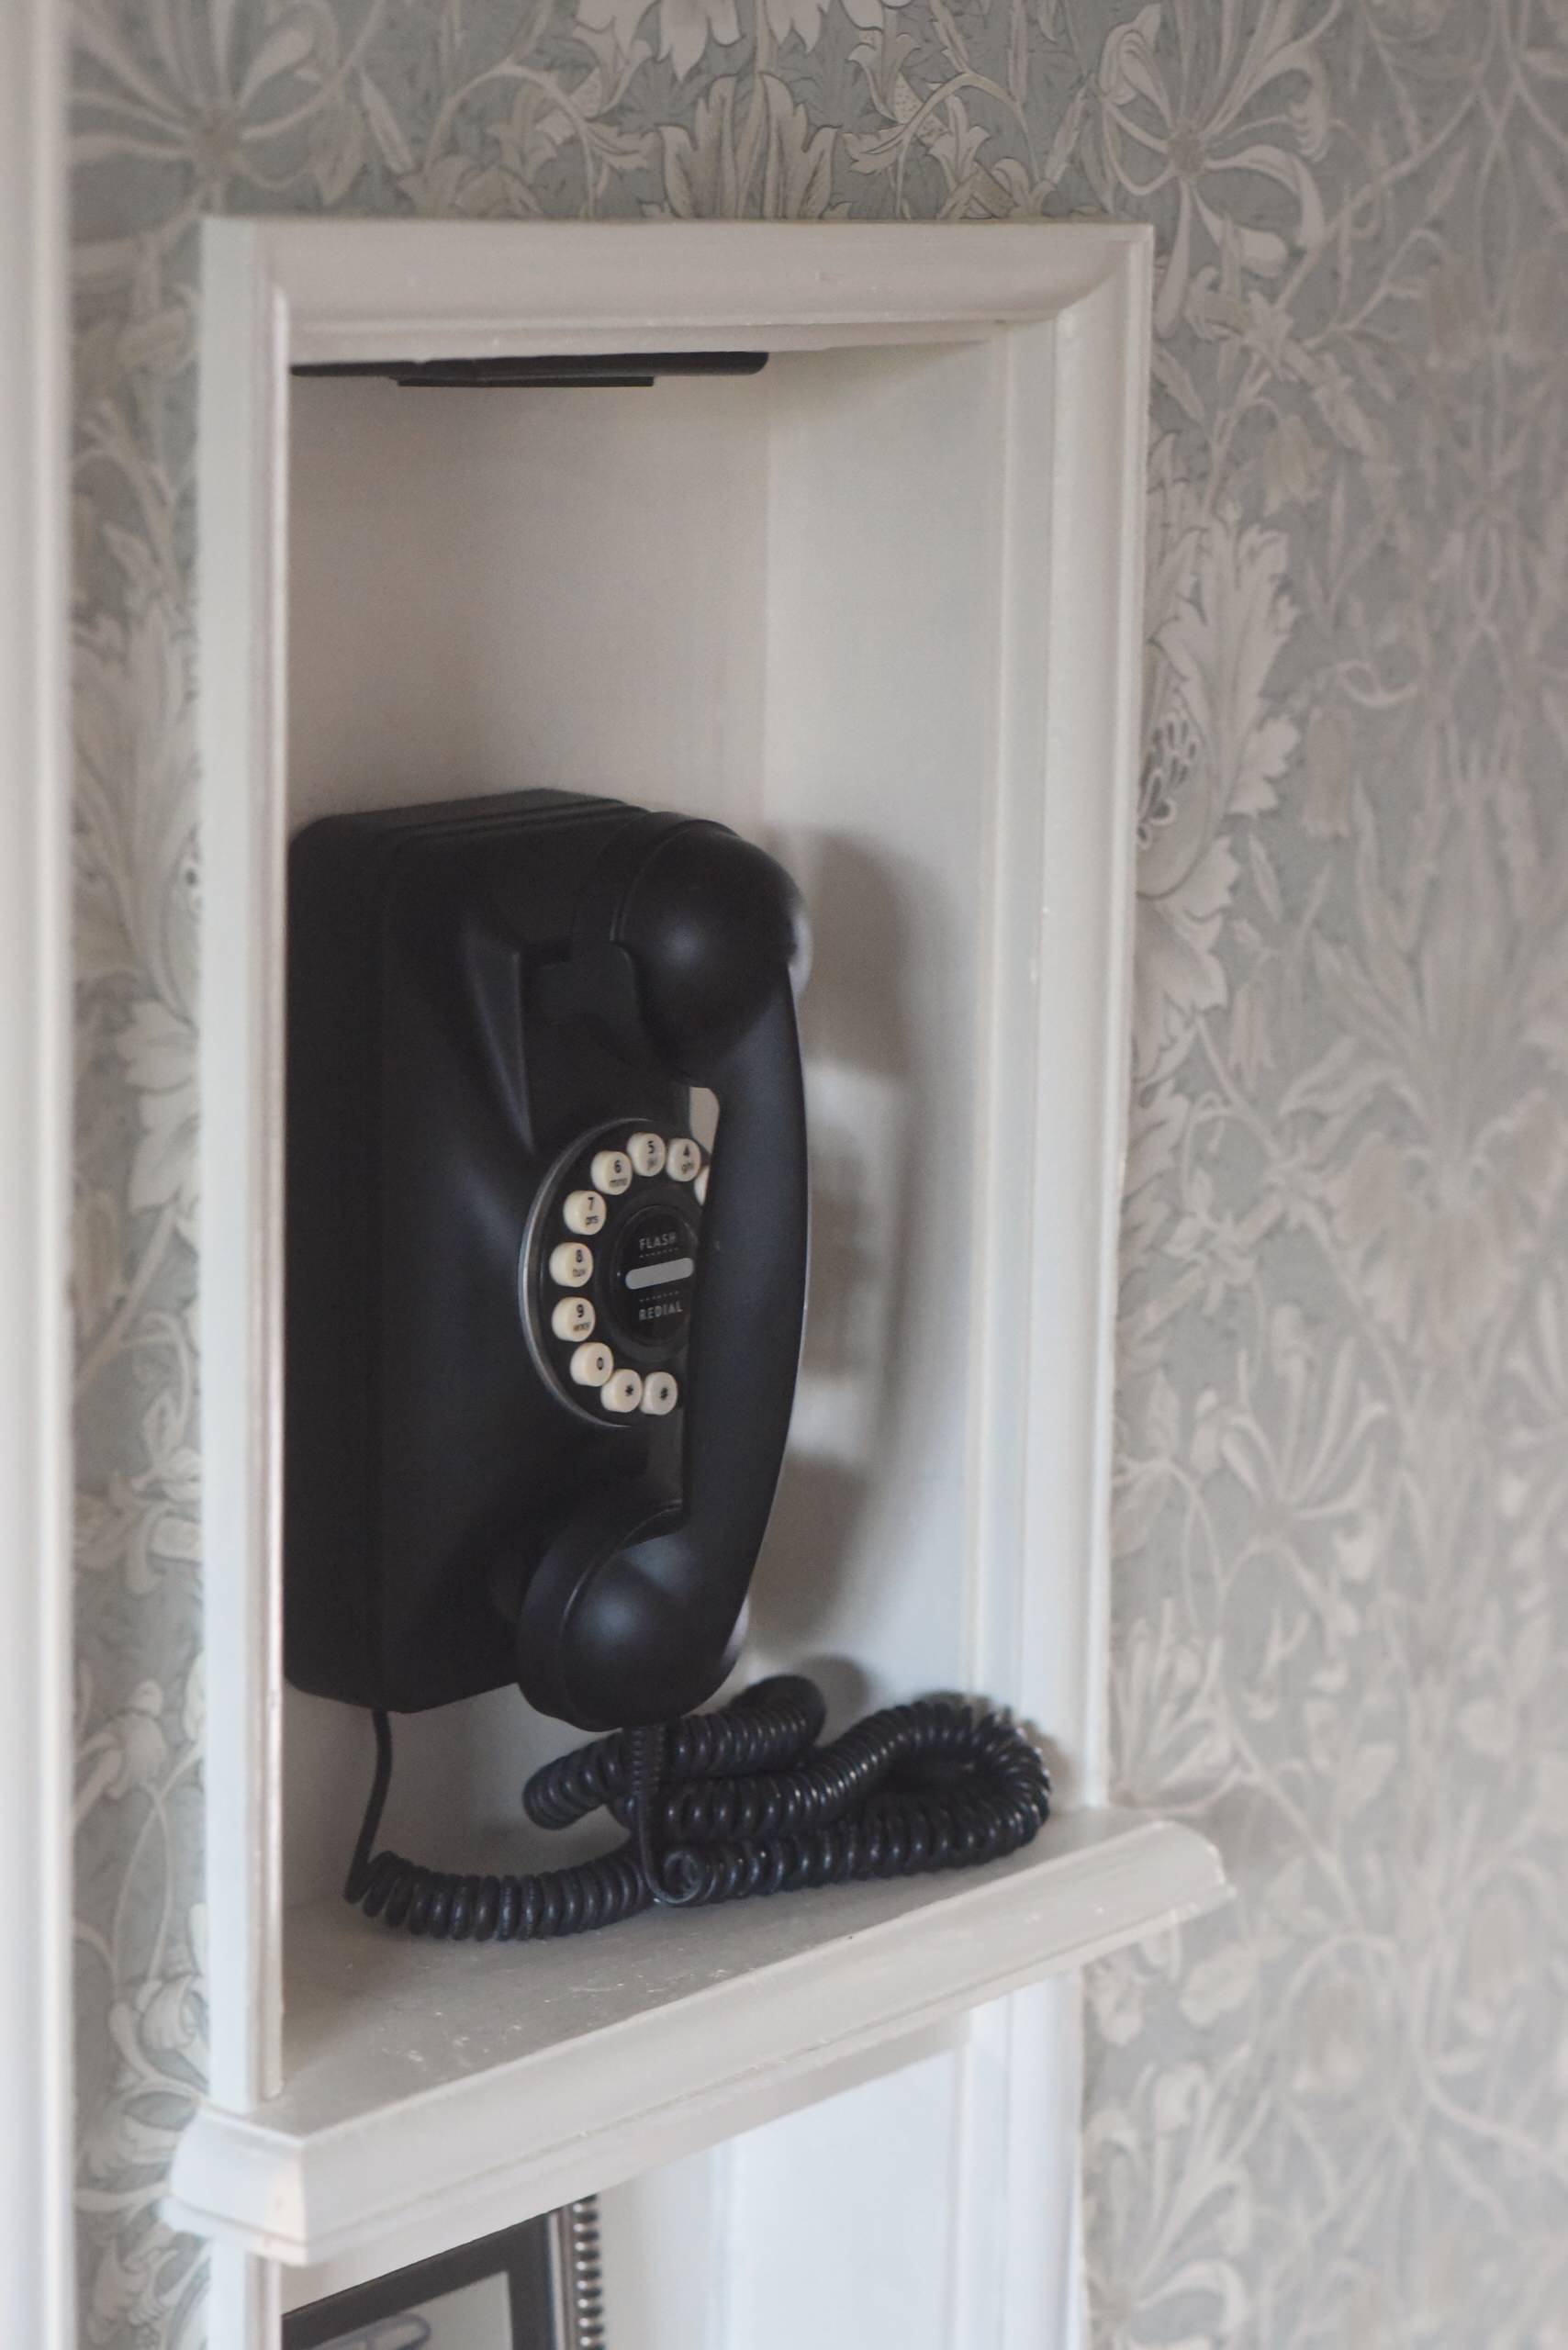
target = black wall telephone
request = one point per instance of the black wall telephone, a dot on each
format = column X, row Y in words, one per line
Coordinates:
column 541, row 1355
column 508, row 1270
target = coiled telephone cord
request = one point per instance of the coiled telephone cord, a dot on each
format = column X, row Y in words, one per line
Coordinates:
column 724, row 1805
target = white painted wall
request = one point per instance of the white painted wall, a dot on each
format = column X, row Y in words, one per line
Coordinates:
column 716, row 596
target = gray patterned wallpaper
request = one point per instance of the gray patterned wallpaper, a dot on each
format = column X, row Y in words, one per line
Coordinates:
column 1341, row 1614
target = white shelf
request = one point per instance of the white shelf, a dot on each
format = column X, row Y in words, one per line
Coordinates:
column 446, row 2088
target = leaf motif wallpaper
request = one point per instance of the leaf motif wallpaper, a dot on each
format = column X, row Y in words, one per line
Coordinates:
column 1338, row 2115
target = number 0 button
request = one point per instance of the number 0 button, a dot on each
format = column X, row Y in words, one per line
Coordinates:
column 685, row 1159
column 592, row 1364
column 646, row 1153
column 571, row 1264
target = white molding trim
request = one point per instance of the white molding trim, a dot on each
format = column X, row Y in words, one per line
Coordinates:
column 1071, row 303
column 35, row 1190
column 435, row 290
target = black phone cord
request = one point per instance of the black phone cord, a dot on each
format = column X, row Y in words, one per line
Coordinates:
column 724, row 1805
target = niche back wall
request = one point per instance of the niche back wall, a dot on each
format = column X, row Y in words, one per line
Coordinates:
column 1341, row 1630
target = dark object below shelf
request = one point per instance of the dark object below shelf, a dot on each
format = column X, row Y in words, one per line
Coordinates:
column 622, row 371
column 548, row 2294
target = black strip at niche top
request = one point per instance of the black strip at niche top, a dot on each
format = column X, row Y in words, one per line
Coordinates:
column 624, row 371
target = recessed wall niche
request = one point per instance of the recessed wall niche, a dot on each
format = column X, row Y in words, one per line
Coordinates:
column 876, row 606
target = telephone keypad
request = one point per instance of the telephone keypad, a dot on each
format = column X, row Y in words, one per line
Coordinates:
column 608, row 1343
column 584, row 1212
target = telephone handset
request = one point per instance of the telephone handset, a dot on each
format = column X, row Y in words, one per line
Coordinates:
column 540, row 1355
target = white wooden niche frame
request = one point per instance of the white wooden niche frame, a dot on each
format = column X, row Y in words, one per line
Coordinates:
column 881, row 605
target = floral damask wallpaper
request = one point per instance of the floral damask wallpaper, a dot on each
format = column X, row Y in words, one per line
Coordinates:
column 1341, row 2114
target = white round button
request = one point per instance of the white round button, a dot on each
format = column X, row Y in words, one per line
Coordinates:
column 660, row 1394
column 592, row 1364
column 685, row 1159
column 572, row 1318
column 611, row 1172
column 646, row 1153
column 571, row 1264
column 622, row 1394
column 584, row 1212
column 700, row 1188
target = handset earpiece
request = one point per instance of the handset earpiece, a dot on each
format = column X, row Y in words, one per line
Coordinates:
column 692, row 953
